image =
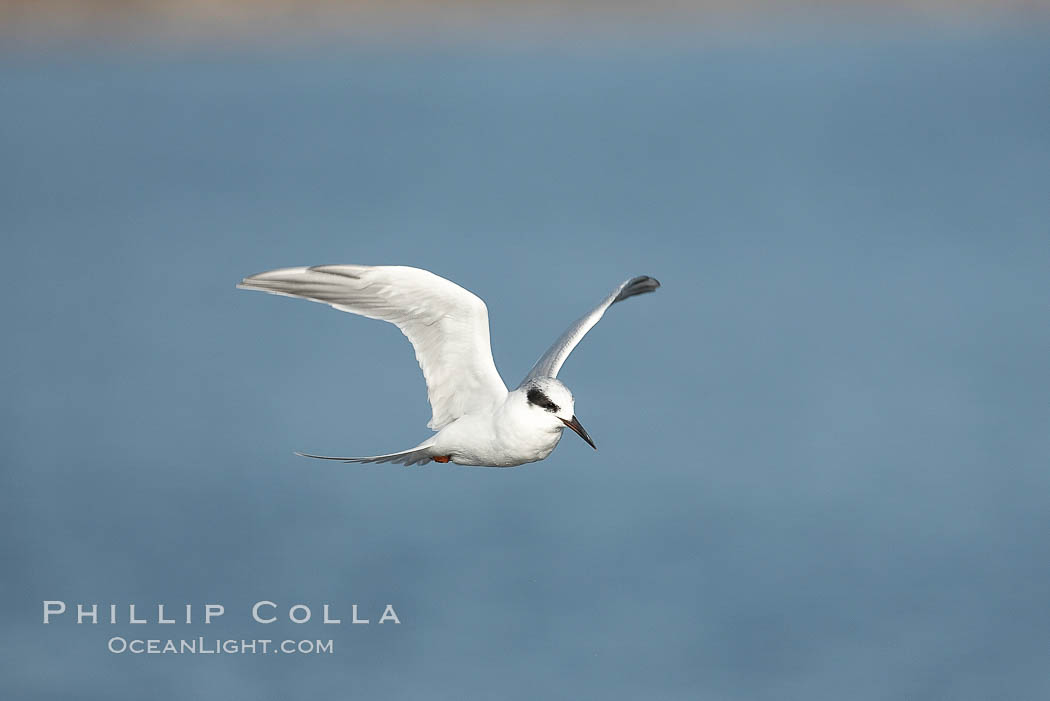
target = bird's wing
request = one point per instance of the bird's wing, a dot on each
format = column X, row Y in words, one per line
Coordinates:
column 551, row 361
column 447, row 325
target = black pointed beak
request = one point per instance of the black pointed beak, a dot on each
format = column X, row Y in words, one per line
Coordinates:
column 575, row 426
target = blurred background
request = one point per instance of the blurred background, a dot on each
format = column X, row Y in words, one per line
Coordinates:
column 823, row 444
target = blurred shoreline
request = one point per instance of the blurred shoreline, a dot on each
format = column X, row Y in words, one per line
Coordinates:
column 31, row 20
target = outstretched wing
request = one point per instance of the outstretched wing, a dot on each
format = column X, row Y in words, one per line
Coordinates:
column 447, row 325
column 551, row 361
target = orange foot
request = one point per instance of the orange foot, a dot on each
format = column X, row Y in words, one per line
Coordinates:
column 441, row 458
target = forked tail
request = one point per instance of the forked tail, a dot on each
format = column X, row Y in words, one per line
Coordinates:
column 420, row 455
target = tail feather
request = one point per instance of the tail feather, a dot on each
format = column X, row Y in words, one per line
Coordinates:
column 420, row 455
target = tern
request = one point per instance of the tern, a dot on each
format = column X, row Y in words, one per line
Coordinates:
column 478, row 421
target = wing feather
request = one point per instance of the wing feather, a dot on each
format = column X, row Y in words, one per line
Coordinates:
column 550, row 362
column 447, row 325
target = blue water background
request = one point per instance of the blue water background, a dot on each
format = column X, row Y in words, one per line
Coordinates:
column 824, row 443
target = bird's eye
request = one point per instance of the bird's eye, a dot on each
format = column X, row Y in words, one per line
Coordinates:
column 541, row 400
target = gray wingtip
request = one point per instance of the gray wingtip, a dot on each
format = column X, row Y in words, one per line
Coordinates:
column 637, row 286
column 254, row 282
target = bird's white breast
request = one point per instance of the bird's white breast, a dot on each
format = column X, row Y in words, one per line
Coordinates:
column 503, row 438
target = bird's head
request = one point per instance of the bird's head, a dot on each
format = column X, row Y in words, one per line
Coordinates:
column 550, row 402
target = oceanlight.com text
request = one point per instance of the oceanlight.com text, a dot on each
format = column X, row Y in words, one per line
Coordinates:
column 214, row 646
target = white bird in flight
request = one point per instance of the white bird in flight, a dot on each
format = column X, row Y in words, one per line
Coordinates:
column 478, row 421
